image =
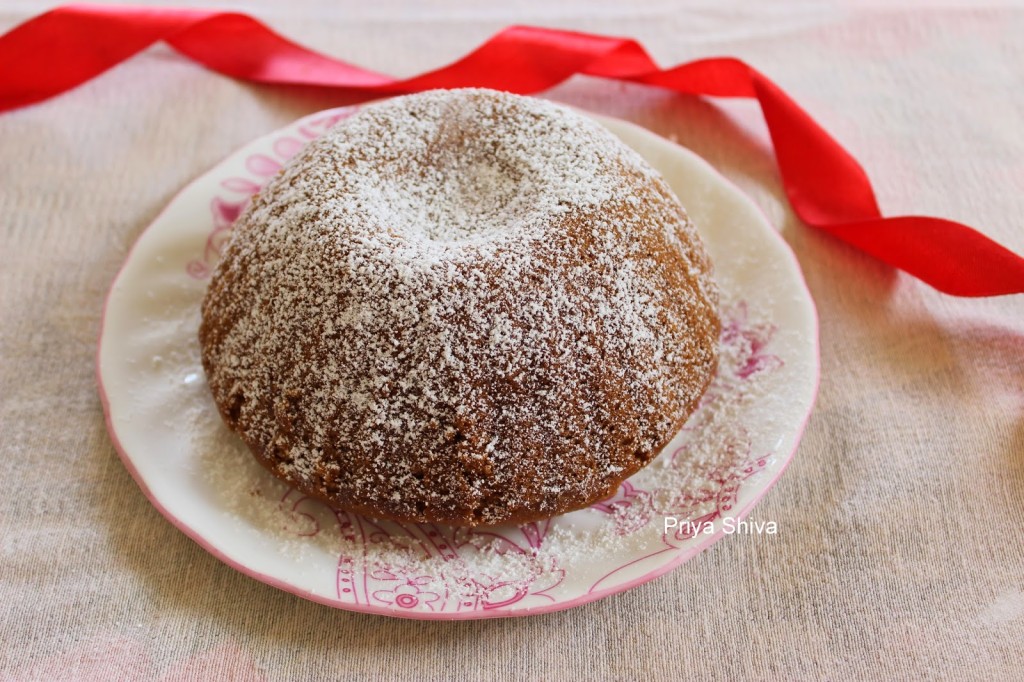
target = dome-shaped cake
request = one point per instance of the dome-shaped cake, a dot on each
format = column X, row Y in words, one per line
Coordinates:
column 463, row 307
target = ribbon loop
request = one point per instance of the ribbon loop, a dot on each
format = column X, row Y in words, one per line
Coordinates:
column 826, row 186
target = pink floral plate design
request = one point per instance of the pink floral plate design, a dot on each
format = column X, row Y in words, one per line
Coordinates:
column 167, row 431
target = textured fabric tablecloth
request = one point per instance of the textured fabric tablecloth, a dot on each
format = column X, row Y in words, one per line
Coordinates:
column 899, row 552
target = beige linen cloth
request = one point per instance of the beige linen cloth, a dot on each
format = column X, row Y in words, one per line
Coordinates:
column 899, row 553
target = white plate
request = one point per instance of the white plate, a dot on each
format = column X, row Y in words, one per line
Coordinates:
column 167, row 430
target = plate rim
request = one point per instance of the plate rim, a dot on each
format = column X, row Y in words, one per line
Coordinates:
column 681, row 557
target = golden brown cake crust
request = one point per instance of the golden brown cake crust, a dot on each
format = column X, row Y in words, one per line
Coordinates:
column 462, row 307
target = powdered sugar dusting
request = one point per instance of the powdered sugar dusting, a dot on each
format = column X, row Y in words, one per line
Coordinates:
column 462, row 305
column 440, row 567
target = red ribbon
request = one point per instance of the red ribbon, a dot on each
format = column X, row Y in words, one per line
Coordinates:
column 828, row 189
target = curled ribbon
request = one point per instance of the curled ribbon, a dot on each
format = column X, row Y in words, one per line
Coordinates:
column 827, row 187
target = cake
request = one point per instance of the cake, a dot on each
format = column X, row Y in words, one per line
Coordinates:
column 461, row 307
